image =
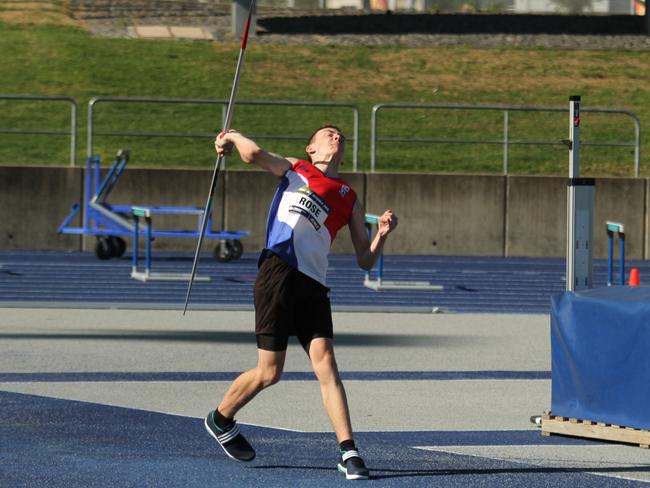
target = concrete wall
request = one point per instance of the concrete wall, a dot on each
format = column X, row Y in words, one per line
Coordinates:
column 441, row 214
column 536, row 216
column 438, row 214
column 33, row 202
column 621, row 200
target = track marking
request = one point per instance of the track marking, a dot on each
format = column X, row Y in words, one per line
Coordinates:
column 607, row 460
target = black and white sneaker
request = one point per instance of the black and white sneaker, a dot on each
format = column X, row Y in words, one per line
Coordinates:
column 230, row 439
column 352, row 466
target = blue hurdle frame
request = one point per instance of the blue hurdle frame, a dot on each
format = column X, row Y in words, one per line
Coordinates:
column 103, row 219
column 147, row 274
column 379, row 283
column 615, row 228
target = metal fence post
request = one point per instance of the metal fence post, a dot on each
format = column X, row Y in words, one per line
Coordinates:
column 637, row 145
column 73, row 134
column 355, row 146
column 89, row 136
column 505, row 141
column 373, row 138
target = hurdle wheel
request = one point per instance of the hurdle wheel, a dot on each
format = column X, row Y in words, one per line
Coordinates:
column 104, row 248
column 119, row 246
column 237, row 248
column 223, row 254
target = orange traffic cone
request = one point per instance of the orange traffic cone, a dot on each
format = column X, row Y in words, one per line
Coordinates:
column 634, row 277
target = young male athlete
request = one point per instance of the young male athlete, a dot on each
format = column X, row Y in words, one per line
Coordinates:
column 310, row 206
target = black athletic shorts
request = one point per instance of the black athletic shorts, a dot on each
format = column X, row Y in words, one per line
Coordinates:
column 289, row 303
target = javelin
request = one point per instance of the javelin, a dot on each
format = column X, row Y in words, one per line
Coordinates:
column 215, row 175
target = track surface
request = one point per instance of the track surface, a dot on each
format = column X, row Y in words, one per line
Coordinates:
column 471, row 284
column 105, row 398
column 102, row 385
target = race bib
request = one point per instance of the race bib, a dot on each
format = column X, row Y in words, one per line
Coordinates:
column 306, row 203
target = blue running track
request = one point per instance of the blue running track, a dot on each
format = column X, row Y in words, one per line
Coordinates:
column 471, row 284
column 61, row 443
column 50, row 438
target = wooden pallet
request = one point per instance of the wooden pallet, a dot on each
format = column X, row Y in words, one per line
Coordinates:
column 553, row 424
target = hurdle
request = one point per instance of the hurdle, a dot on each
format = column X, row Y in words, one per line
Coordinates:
column 379, row 283
column 147, row 274
column 618, row 229
column 110, row 222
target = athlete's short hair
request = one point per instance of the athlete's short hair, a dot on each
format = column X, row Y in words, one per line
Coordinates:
column 326, row 126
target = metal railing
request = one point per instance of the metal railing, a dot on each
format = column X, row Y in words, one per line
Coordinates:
column 506, row 142
column 92, row 131
column 48, row 132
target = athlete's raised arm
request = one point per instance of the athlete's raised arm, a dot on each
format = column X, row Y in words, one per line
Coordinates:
column 251, row 153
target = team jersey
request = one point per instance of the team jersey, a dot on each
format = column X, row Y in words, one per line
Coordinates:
column 307, row 211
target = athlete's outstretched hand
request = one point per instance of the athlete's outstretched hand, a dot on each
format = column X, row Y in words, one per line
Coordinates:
column 387, row 223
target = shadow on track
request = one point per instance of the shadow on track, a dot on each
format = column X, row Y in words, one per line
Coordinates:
column 234, row 337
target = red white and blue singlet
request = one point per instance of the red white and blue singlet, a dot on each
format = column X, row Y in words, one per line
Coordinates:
column 307, row 211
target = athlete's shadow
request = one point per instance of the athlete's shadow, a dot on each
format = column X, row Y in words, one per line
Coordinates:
column 379, row 473
column 342, row 339
column 282, row 466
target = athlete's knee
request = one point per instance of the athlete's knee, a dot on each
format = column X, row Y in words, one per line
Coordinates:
column 325, row 367
column 268, row 375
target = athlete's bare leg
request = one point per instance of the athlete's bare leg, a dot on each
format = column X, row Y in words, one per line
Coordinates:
column 321, row 353
column 250, row 383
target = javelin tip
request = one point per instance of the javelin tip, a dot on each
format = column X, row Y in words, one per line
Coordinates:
column 244, row 38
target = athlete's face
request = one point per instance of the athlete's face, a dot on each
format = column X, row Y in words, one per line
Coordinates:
column 328, row 144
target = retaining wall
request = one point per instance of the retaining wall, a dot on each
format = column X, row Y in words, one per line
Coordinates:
column 33, row 202
column 441, row 214
column 438, row 214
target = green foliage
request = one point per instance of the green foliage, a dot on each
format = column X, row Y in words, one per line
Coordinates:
column 59, row 60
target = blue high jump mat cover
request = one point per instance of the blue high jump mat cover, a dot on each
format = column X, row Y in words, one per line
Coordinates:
column 600, row 355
